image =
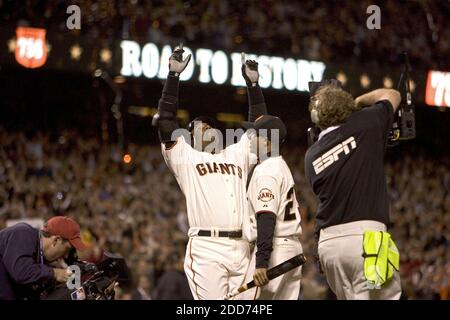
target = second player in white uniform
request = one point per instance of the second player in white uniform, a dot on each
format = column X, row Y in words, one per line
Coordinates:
column 274, row 209
column 214, row 184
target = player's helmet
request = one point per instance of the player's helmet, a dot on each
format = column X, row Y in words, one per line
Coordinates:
column 203, row 119
column 267, row 122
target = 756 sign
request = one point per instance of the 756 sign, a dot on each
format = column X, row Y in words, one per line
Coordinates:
column 438, row 89
column 31, row 47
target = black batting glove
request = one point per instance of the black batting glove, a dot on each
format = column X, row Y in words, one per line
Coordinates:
column 249, row 71
column 176, row 62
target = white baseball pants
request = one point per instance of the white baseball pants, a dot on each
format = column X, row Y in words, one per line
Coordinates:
column 214, row 266
column 284, row 287
column 341, row 256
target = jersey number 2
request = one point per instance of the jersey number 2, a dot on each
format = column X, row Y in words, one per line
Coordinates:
column 288, row 215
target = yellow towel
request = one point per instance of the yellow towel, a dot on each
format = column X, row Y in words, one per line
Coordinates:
column 381, row 258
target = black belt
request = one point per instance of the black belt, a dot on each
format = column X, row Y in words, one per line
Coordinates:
column 222, row 234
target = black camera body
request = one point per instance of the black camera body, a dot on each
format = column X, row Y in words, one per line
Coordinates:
column 97, row 280
column 404, row 125
column 407, row 124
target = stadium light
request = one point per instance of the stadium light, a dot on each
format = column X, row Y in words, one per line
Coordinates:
column 75, row 52
column 127, row 158
column 342, row 77
column 364, row 81
column 387, row 82
column 105, row 55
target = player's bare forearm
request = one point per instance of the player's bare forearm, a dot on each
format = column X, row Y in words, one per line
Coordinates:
column 393, row 96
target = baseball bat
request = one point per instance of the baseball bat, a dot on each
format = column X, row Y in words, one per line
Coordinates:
column 272, row 273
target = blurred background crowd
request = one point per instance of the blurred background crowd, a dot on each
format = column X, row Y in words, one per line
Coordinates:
column 334, row 31
column 137, row 209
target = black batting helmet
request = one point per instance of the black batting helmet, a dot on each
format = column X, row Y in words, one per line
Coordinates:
column 203, row 119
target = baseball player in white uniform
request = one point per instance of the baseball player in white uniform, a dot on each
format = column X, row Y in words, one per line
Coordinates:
column 275, row 219
column 214, row 184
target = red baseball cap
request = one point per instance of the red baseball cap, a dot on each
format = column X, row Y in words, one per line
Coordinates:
column 67, row 229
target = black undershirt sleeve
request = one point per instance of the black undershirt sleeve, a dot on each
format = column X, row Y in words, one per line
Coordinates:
column 265, row 225
column 257, row 105
column 167, row 109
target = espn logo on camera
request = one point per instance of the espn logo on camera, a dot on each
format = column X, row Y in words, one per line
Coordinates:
column 331, row 156
column 438, row 89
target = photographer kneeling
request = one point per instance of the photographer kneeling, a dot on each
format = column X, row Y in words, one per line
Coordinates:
column 28, row 256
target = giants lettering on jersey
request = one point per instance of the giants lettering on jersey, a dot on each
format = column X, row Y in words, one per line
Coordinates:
column 265, row 195
column 331, row 156
column 223, row 168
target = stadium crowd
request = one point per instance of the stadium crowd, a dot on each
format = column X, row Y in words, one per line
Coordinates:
column 329, row 31
column 137, row 210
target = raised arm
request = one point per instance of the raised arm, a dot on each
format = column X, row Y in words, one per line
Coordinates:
column 372, row 97
column 256, row 104
column 166, row 117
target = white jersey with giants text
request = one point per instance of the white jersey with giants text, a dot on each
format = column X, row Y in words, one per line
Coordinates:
column 213, row 184
column 214, row 187
column 272, row 189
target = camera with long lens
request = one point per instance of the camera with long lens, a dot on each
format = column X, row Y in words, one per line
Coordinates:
column 404, row 125
column 97, row 280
